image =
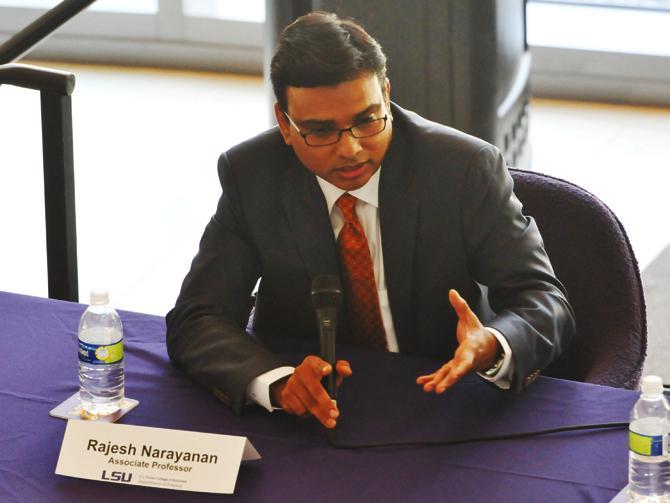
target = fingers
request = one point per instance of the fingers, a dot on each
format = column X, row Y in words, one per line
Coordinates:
column 343, row 371
column 343, row 368
column 429, row 381
column 305, row 395
column 451, row 372
column 446, row 376
column 467, row 319
column 468, row 322
column 463, row 311
column 292, row 404
column 459, row 304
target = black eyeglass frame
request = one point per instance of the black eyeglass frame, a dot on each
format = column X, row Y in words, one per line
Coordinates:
column 339, row 131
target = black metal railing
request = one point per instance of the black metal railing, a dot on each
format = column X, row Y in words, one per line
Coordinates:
column 55, row 89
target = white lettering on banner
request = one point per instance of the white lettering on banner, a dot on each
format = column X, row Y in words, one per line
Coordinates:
column 157, row 457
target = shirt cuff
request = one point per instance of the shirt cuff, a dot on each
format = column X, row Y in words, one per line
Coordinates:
column 258, row 390
column 503, row 379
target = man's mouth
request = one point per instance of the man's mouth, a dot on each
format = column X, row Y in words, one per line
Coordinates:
column 353, row 171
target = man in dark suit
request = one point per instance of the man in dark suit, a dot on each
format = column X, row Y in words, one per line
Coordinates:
column 456, row 271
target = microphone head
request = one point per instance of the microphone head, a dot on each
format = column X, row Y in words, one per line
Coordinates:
column 326, row 292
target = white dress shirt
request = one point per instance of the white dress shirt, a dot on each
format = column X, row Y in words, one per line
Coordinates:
column 367, row 210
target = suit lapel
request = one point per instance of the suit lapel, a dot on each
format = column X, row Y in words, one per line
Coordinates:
column 399, row 211
column 309, row 221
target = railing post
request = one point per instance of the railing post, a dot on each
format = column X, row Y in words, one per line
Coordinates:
column 59, row 202
column 57, row 151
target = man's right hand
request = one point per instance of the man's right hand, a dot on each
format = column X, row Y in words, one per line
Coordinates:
column 302, row 393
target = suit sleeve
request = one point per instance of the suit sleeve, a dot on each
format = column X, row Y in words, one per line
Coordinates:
column 206, row 334
column 506, row 254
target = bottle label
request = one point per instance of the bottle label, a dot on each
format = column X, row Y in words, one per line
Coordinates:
column 100, row 354
column 648, row 445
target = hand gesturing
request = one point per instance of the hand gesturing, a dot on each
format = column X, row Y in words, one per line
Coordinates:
column 477, row 349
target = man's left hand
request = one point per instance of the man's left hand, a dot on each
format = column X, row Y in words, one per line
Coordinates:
column 477, row 349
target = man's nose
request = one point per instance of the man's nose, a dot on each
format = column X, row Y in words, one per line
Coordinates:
column 348, row 146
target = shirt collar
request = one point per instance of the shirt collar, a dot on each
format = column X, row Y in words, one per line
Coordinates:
column 368, row 193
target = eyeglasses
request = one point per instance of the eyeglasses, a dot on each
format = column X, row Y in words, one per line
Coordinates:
column 327, row 136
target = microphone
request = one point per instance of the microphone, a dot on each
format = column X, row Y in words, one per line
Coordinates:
column 326, row 297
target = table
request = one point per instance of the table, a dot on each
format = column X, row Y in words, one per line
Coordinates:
column 379, row 403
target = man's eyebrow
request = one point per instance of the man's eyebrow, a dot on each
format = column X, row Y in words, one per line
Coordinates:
column 316, row 123
column 372, row 108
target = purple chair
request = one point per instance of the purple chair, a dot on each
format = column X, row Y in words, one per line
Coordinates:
column 593, row 258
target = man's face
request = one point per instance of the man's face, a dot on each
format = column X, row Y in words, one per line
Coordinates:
column 349, row 163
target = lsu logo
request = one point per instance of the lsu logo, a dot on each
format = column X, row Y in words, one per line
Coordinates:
column 117, row 476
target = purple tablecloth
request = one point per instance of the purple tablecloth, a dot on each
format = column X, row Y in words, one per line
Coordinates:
column 379, row 403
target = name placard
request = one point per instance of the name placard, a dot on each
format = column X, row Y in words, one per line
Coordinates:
column 157, row 457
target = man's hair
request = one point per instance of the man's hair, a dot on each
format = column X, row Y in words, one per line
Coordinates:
column 322, row 49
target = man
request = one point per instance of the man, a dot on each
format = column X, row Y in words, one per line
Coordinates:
column 413, row 216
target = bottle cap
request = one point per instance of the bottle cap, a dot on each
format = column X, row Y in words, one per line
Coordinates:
column 99, row 297
column 652, row 385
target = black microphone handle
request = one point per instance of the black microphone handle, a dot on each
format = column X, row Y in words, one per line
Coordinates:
column 327, row 336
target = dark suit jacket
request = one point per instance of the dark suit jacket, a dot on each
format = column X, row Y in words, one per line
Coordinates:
column 448, row 217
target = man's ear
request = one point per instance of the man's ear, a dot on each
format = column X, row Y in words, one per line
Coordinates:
column 283, row 123
column 387, row 96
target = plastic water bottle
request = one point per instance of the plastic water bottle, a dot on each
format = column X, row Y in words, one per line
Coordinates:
column 100, row 357
column 649, row 460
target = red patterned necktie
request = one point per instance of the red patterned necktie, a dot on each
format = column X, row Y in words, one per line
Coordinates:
column 359, row 279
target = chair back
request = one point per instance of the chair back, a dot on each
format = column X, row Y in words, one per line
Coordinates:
column 592, row 256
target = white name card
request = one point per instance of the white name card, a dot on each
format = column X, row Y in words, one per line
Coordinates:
column 157, row 457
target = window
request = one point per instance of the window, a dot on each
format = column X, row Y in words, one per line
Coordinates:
column 615, row 50
column 210, row 34
column 133, row 6
column 630, row 4
column 612, row 50
column 249, row 10
column 600, row 26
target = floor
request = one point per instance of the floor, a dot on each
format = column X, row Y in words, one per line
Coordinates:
column 146, row 146
column 620, row 153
